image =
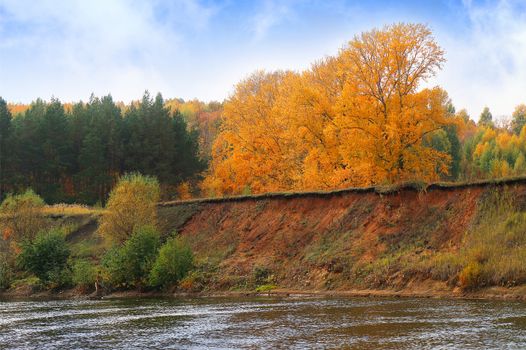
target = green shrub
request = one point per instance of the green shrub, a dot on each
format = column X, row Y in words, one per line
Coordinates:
column 60, row 278
column 5, row 273
column 262, row 275
column 46, row 257
column 173, row 263
column 33, row 283
column 132, row 204
column 266, row 288
column 130, row 264
column 84, row 274
column 113, row 267
column 205, row 273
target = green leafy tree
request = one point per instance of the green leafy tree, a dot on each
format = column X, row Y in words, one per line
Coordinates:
column 439, row 141
column 486, row 118
column 455, row 151
column 5, row 144
column 518, row 119
column 487, row 158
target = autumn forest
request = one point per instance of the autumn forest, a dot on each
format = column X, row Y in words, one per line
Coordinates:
column 364, row 117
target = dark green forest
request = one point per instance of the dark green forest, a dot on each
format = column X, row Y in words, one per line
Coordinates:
column 77, row 154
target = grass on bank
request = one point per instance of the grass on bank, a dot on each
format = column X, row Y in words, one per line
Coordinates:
column 492, row 252
column 66, row 210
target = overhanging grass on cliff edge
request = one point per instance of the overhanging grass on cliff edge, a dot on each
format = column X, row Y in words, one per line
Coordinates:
column 417, row 186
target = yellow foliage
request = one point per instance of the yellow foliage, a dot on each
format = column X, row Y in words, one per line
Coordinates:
column 22, row 216
column 471, row 276
column 351, row 120
column 184, row 191
column 132, row 204
column 489, row 134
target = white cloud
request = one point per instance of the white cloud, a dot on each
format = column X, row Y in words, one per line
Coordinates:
column 73, row 48
column 70, row 48
column 270, row 14
column 487, row 65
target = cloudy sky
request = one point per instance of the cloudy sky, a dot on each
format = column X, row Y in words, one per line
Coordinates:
column 200, row 49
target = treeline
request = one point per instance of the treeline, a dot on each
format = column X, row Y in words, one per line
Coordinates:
column 490, row 150
column 76, row 154
column 359, row 118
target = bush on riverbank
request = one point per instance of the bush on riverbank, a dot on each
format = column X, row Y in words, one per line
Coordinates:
column 129, row 265
column 46, row 257
column 21, row 216
column 84, row 274
column 132, row 204
column 5, row 273
column 174, row 261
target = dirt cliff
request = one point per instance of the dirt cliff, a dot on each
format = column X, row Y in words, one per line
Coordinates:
column 350, row 239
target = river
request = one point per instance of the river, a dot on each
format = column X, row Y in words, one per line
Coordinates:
column 263, row 323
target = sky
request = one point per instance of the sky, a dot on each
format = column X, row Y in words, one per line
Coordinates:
column 69, row 49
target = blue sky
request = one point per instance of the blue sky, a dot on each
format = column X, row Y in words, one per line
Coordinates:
column 200, row 49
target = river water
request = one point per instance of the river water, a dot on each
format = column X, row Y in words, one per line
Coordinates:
column 263, row 323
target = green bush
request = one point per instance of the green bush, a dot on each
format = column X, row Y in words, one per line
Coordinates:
column 130, row 264
column 5, row 273
column 84, row 274
column 261, row 275
column 60, row 278
column 173, row 263
column 46, row 257
column 266, row 288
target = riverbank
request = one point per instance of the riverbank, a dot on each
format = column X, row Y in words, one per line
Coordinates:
column 445, row 240
column 427, row 291
column 437, row 241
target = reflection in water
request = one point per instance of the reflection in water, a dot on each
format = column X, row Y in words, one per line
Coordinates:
column 263, row 323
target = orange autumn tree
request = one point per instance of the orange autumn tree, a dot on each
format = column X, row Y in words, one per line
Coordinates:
column 352, row 120
column 254, row 151
column 381, row 109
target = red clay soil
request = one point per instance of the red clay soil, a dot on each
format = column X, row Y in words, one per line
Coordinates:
column 319, row 242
